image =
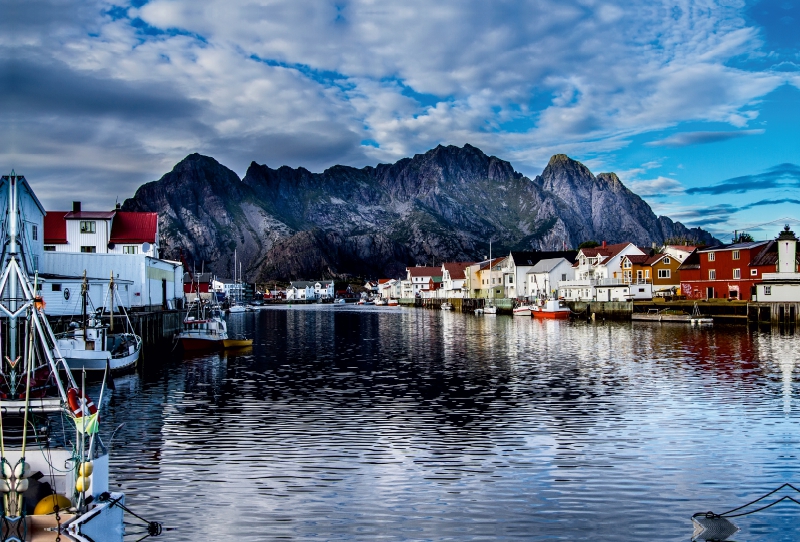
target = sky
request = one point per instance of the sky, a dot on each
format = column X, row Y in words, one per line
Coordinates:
column 694, row 104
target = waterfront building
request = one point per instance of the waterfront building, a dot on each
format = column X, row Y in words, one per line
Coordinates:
column 519, row 265
column 303, row 289
column 599, row 275
column 485, row 279
column 679, row 252
column 541, row 281
column 143, row 280
column 783, row 285
column 659, row 271
column 419, row 279
column 725, row 271
column 454, row 279
column 390, row 288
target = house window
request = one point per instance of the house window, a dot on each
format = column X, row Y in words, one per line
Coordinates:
column 735, row 254
column 563, row 276
column 55, row 287
column 647, row 273
column 129, row 249
column 711, row 256
column 626, row 264
column 737, row 273
column 767, row 290
column 34, row 232
column 664, row 273
column 49, row 248
column 35, row 263
column 90, row 250
column 666, row 260
column 510, row 280
column 712, row 274
column 754, row 272
column 87, row 226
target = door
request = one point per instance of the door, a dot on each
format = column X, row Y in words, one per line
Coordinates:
column 164, row 294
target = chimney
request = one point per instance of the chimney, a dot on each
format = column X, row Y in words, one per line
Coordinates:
column 76, row 206
column 118, row 206
column 604, row 243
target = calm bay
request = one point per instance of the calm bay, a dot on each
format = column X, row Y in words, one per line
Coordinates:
column 379, row 423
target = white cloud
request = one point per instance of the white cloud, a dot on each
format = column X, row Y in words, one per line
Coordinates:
column 305, row 83
column 660, row 186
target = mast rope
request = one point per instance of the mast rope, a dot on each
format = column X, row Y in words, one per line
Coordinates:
column 729, row 514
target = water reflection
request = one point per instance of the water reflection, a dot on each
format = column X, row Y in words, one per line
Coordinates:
column 409, row 424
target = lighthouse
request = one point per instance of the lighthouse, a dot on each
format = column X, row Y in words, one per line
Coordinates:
column 787, row 251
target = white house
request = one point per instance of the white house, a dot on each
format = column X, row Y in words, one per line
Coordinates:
column 519, row 264
column 783, row 286
column 303, row 289
column 142, row 281
column 599, row 266
column 420, row 280
column 453, row 280
column 543, row 278
column 390, row 289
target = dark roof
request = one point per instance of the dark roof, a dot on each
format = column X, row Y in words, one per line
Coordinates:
column 55, row 228
column 608, row 251
column 640, row 259
column 692, row 261
column 424, row 271
column 733, row 246
column 134, row 228
column 89, row 215
column 769, row 256
column 457, row 270
column 534, row 257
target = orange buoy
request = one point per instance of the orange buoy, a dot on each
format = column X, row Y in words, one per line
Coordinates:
column 80, row 406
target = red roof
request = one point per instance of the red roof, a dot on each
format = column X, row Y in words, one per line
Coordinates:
column 134, row 228
column 457, row 269
column 424, row 271
column 55, row 228
column 383, row 281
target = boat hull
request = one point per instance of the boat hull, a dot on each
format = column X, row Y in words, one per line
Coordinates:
column 196, row 343
column 237, row 343
column 99, row 360
column 551, row 315
column 522, row 311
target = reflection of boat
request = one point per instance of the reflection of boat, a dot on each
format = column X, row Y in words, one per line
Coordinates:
column 522, row 310
column 698, row 319
column 447, row 306
column 551, row 309
column 51, row 489
column 94, row 346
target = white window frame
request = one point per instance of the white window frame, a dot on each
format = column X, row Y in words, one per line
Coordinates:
column 712, row 274
column 664, row 273
column 130, row 249
column 735, row 255
column 754, row 272
column 712, row 256
column 666, row 260
column 737, row 273
column 88, row 226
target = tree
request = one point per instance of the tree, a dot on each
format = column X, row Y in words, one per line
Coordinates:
column 588, row 244
column 742, row 238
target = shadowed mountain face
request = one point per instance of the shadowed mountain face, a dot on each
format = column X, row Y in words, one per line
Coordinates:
column 444, row 205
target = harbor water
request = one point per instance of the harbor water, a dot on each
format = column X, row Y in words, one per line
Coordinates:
column 385, row 423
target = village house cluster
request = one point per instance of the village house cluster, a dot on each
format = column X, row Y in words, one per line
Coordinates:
column 617, row 272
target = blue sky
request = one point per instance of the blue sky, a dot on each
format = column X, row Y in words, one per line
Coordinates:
column 694, row 104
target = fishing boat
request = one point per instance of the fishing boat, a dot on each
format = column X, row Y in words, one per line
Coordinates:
column 236, row 305
column 55, row 466
column 92, row 345
column 551, row 309
column 393, row 302
column 380, row 302
column 204, row 328
column 447, row 306
column 522, row 310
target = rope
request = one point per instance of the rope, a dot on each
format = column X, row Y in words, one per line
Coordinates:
column 154, row 528
column 729, row 514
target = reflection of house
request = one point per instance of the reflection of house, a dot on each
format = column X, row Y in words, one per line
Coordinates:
column 724, row 271
column 782, row 286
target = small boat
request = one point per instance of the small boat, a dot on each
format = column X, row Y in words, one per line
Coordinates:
column 447, row 306
column 339, row 301
column 491, row 309
column 207, row 330
column 92, row 345
column 698, row 319
column 393, row 302
column 552, row 309
column 522, row 310
column 478, row 311
column 236, row 308
column 380, row 302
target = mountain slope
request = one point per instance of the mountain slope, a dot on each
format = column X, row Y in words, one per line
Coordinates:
column 445, row 204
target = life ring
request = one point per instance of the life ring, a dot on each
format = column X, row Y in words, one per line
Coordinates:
column 80, row 407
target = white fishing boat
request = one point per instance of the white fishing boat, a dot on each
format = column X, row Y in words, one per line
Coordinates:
column 92, row 345
column 380, row 302
column 204, row 328
column 522, row 310
column 55, row 466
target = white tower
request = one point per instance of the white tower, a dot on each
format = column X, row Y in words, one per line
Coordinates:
column 787, row 251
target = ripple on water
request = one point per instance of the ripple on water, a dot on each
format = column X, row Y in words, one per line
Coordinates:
column 403, row 424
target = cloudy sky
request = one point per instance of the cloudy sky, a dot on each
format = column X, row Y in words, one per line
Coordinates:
column 695, row 104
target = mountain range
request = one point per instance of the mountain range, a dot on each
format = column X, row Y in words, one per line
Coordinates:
column 443, row 205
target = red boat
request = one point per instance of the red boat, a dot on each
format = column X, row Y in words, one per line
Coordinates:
column 553, row 309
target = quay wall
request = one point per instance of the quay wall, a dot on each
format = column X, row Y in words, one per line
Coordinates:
column 774, row 314
column 602, row 310
column 504, row 305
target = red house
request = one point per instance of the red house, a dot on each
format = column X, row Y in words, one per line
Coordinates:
column 724, row 271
